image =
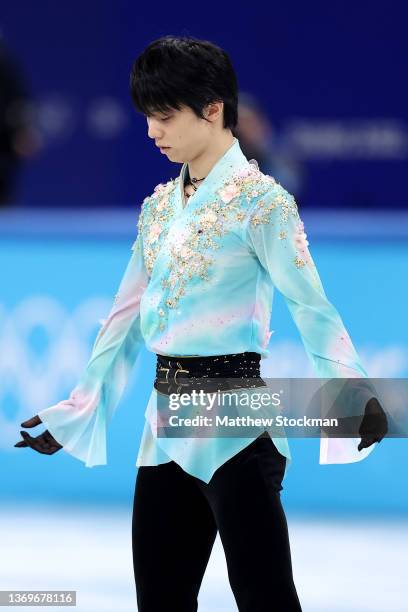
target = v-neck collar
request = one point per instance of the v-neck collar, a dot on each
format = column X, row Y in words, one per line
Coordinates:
column 232, row 159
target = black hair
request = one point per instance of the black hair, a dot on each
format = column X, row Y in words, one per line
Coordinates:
column 176, row 71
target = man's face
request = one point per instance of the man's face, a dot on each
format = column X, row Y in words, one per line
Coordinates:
column 183, row 133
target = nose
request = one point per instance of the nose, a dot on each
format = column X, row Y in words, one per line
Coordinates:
column 153, row 129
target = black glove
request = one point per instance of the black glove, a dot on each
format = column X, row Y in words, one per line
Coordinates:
column 374, row 425
column 45, row 443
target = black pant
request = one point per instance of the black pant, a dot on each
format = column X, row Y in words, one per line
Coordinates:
column 175, row 521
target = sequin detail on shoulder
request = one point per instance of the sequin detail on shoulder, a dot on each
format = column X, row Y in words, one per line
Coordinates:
column 278, row 198
column 290, row 226
column 249, row 182
column 138, row 242
column 156, row 214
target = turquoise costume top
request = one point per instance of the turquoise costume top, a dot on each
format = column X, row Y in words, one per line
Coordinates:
column 200, row 281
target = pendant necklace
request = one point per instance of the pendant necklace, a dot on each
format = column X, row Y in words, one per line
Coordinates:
column 193, row 182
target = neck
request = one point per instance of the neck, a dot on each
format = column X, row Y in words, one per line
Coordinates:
column 201, row 165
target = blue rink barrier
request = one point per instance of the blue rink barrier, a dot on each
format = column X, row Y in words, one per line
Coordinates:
column 59, row 275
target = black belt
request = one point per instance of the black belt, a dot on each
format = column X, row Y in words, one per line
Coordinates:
column 181, row 374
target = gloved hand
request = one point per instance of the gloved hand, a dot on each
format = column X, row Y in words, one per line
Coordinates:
column 45, row 443
column 374, row 425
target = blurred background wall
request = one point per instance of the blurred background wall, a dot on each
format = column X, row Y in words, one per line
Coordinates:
column 327, row 80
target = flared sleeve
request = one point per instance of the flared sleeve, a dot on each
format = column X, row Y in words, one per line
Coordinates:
column 80, row 422
column 275, row 234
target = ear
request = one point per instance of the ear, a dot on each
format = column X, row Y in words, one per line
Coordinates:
column 214, row 110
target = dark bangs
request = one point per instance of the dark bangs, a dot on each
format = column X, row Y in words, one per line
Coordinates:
column 173, row 72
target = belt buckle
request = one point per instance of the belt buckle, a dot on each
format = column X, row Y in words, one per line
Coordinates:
column 179, row 369
column 167, row 370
